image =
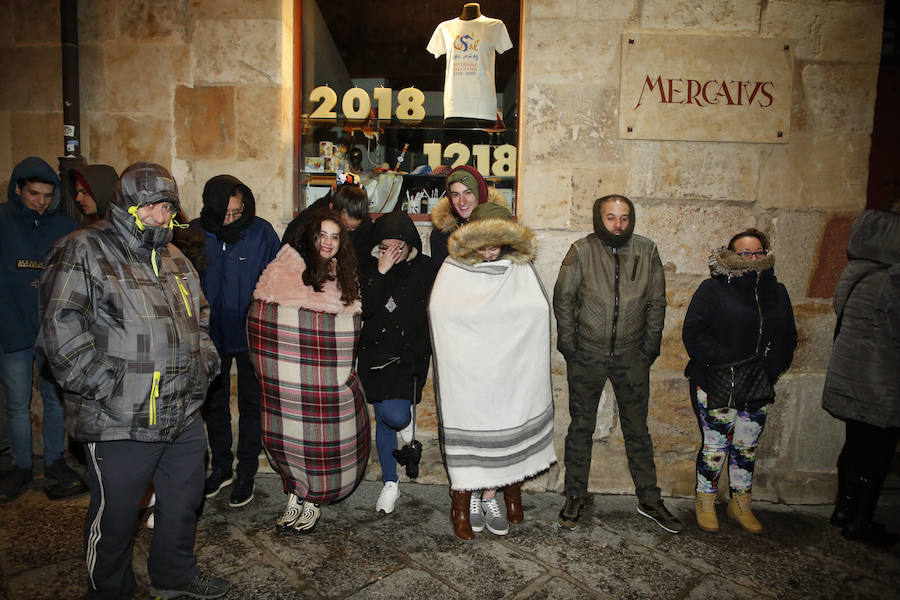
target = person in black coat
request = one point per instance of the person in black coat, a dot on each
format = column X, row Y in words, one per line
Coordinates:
column 739, row 312
column 351, row 202
column 394, row 345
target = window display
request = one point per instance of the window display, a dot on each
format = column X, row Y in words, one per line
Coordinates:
column 381, row 106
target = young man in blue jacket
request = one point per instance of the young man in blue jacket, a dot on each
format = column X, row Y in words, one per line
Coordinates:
column 30, row 222
column 238, row 247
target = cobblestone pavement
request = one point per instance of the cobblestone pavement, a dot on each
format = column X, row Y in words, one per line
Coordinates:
column 412, row 553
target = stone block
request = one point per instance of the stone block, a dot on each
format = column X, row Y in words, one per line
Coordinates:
column 32, row 78
column 35, row 22
column 92, row 77
column 831, row 257
column 544, row 192
column 97, row 21
column 608, row 10
column 552, row 248
column 155, row 20
column 35, row 134
column 708, row 15
column 161, row 67
column 836, row 97
column 204, row 122
column 120, row 140
column 821, row 170
column 5, row 147
column 236, row 9
column 573, row 123
column 590, row 182
column 693, row 170
column 265, row 179
column 840, row 31
column 685, row 233
column 815, row 323
column 587, row 52
column 550, row 9
column 679, row 291
column 244, row 51
column 258, row 123
column 796, row 237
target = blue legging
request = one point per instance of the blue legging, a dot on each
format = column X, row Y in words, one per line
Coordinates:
column 390, row 417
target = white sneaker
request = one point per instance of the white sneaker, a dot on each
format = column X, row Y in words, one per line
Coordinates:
column 150, row 521
column 388, row 497
column 291, row 513
column 308, row 518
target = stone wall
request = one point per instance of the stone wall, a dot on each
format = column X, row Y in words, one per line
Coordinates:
column 204, row 87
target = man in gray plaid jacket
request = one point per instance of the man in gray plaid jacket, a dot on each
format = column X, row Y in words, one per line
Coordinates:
column 125, row 330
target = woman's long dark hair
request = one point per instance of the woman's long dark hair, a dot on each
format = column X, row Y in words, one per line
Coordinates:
column 318, row 271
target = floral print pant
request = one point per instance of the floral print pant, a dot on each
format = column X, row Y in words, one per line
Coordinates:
column 731, row 432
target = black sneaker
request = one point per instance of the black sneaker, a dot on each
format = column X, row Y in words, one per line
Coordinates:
column 14, row 484
column 68, row 482
column 242, row 492
column 203, row 586
column 570, row 513
column 216, row 481
column 660, row 515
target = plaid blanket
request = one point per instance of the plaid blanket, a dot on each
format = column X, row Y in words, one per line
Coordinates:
column 315, row 425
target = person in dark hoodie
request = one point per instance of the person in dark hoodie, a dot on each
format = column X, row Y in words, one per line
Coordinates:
column 610, row 307
column 238, row 247
column 862, row 386
column 93, row 185
column 30, row 222
column 124, row 326
column 394, row 345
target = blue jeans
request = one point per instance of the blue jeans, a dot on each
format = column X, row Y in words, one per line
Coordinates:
column 16, row 376
column 390, row 417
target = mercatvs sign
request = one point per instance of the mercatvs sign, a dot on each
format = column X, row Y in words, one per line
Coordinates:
column 705, row 88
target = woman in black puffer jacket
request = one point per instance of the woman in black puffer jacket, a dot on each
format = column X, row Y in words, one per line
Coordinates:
column 739, row 312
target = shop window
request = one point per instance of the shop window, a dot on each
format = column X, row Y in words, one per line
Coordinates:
column 375, row 97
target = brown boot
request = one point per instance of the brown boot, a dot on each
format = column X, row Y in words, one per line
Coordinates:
column 739, row 510
column 459, row 514
column 512, row 496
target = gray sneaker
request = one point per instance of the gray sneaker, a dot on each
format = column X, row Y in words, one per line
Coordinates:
column 476, row 515
column 494, row 519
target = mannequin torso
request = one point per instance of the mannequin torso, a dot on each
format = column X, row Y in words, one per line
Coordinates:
column 470, row 11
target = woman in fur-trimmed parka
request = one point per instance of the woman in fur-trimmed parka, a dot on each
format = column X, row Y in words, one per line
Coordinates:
column 740, row 311
column 490, row 327
column 862, row 387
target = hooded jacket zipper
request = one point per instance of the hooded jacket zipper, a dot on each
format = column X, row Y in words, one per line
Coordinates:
column 758, row 337
column 615, row 323
column 154, row 394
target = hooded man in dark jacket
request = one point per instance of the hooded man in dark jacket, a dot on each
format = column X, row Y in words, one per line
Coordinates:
column 862, row 386
column 30, row 222
column 125, row 330
column 238, row 247
column 610, row 307
column 394, row 345
column 93, row 185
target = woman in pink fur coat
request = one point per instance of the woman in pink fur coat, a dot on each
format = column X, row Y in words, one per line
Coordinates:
column 303, row 326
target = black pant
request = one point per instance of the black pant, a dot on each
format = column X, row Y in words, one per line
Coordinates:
column 868, row 451
column 217, row 412
column 118, row 475
column 630, row 377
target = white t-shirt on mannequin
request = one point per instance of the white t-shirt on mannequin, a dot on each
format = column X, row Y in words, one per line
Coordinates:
column 469, row 80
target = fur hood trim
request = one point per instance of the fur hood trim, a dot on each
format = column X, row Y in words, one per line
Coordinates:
column 518, row 242
column 726, row 263
column 282, row 283
column 443, row 217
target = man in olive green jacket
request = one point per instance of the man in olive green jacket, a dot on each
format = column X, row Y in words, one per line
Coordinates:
column 610, row 305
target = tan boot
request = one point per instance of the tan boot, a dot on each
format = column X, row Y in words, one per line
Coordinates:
column 512, row 496
column 705, row 507
column 739, row 510
column 459, row 514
